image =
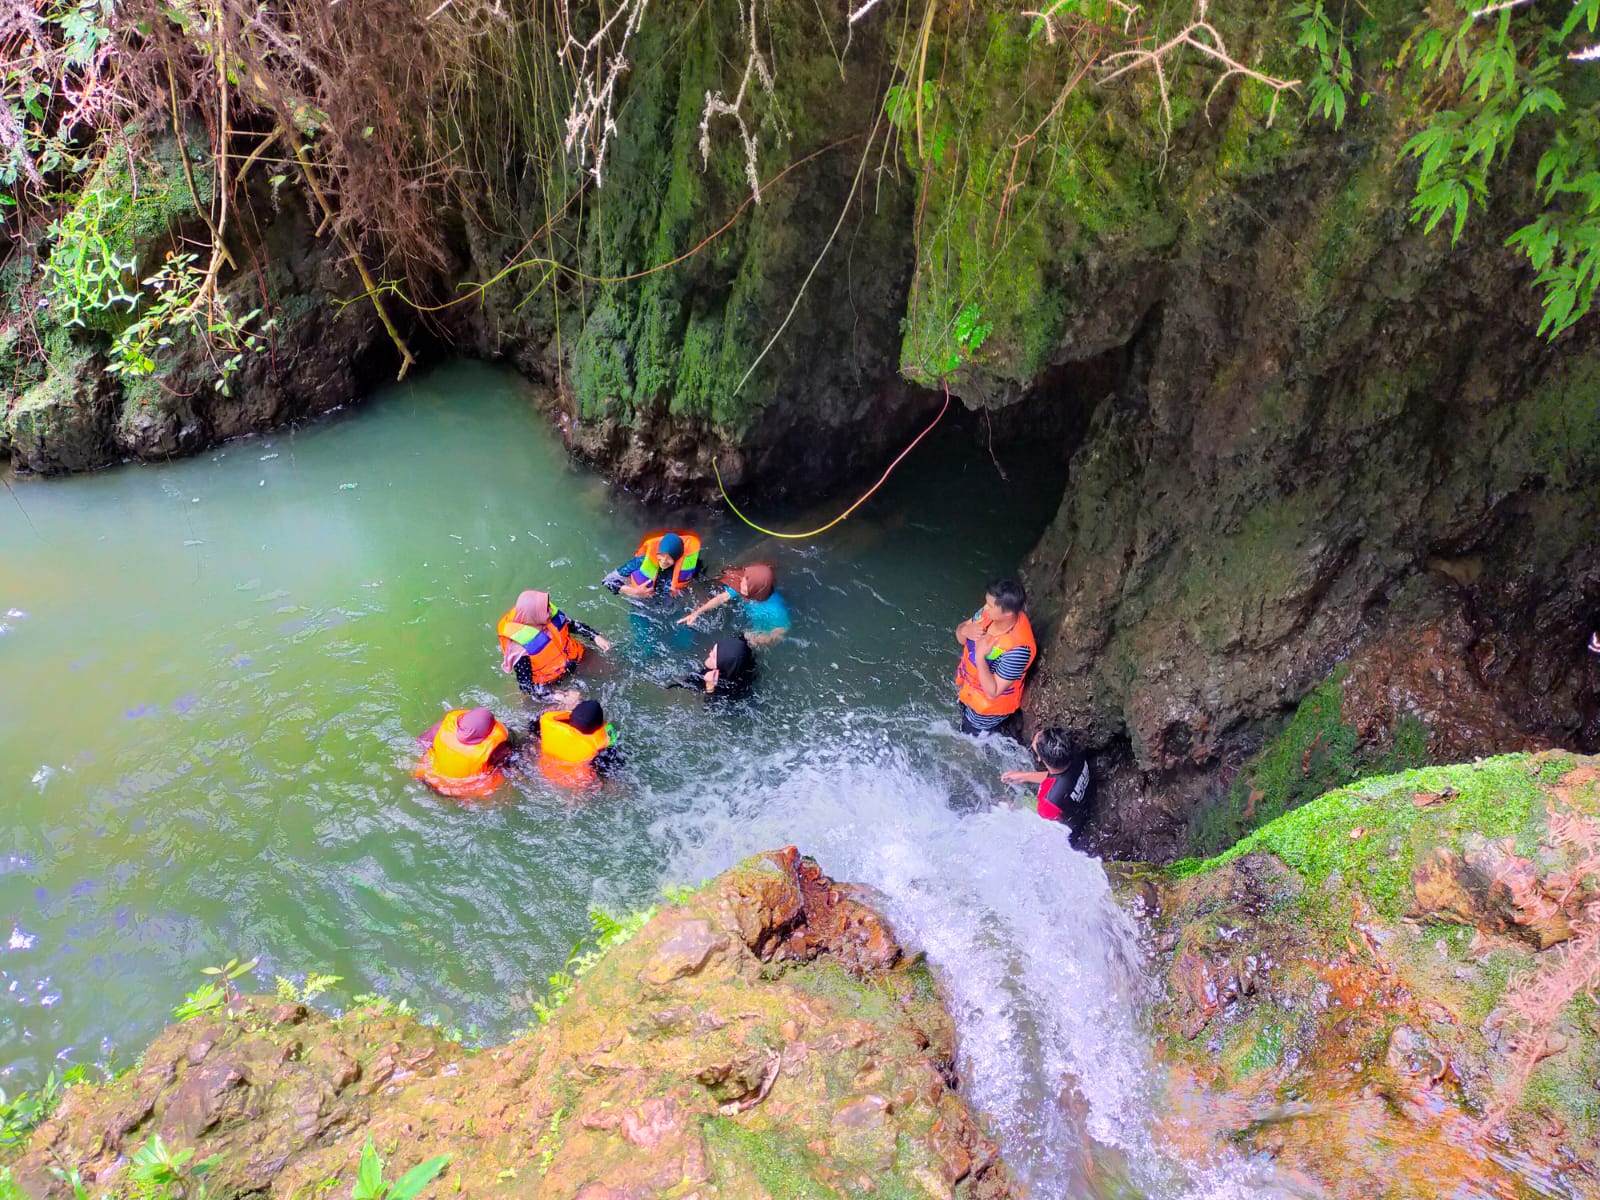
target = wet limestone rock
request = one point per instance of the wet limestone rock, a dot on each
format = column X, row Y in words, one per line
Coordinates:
column 768, row 1037
column 1377, row 990
column 58, row 425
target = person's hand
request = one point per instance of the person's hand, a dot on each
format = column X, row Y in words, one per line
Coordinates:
column 1594, row 643
column 601, row 644
column 1013, row 777
column 982, row 644
column 688, row 620
column 711, row 679
column 968, row 630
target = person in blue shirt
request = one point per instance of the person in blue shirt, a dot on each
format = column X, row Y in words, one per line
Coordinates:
column 755, row 587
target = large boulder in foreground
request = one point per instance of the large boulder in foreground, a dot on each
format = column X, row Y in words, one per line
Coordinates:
column 1390, row 990
column 768, row 1037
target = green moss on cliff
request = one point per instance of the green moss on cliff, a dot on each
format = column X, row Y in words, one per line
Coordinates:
column 1014, row 187
column 1368, row 837
column 1555, row 431
column 1315, row 753
column 1355, row 965
column 677, row 340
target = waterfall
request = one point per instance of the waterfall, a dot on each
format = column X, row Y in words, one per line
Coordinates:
column 1041, row 968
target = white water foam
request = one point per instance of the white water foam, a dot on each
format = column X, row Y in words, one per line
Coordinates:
column 1041, row 967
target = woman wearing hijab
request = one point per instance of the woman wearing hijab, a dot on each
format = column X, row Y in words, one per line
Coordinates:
column 729, row 670
column 539, row 642
column 671, row 554
column 464, row 753
column 755, row 587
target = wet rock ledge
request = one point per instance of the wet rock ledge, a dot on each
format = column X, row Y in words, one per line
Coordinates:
column 768, row 1037
column 1391, row 991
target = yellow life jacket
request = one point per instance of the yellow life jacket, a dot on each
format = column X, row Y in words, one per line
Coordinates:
column 457, row 769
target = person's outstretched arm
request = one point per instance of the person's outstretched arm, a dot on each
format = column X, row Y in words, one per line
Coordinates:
column 1024, row 777
column 716, row 601
column 582, row 630
column 767, row 638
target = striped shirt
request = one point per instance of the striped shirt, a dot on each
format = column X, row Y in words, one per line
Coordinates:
column 1013, row 664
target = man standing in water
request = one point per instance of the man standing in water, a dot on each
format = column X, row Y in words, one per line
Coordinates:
column 997, row 648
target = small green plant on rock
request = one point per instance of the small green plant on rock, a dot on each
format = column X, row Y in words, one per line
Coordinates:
column 20, row 1115
column 228, row 973
column 211, row 996
column 161, row 1173
column 292, row 993
column 370, row 1183
column 89, row 272
column 205, row 998
column 609, row 932
column 155, row 1172
column 185, row 304
column 383, row 1006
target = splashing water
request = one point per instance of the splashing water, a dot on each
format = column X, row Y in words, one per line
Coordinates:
column 1041, row 967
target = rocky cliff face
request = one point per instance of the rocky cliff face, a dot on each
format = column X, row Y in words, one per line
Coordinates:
column 1387, row 991
column 767, row 1037
column 653, row 338
column 1303, row 427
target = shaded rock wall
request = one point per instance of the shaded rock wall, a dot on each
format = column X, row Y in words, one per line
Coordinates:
column 1321, row 427
column 652, row 342
column 768, row 1037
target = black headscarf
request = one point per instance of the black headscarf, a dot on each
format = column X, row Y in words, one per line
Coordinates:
column 734, row 659
column 587, row 717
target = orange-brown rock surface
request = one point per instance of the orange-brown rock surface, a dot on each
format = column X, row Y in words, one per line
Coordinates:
column 768, row 1037
column 1389, row 992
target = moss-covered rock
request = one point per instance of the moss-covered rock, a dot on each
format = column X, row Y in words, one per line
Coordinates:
column 765, row 1037
column 58, row 424
column 1365, row 989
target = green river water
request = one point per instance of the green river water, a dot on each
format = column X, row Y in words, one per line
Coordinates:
column 214, row 670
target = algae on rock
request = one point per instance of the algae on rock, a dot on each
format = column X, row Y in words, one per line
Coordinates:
column 765, row 1037
column 1350, row 990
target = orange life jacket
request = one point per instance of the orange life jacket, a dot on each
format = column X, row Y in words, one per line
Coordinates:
column 551, row 647
column 457, row 769
column 566, row 755
column 1010, row 697
column 683, row 571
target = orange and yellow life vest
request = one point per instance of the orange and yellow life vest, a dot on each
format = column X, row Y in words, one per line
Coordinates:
column 1010, row 697
column 551, row 647
column 683, row 571
column 457, row 769
column 566, row 755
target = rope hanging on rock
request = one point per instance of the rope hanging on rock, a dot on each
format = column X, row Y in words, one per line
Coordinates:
column 864, row 498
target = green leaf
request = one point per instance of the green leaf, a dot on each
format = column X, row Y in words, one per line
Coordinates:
column 369, row 1175
column 419, row 1177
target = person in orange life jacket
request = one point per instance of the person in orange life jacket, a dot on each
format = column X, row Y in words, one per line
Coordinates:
column 580, row 737
column 997, row 648
column 729, row 670
column 673, row 553
column 539, row 642
column 1065, row 784
column 465, row 751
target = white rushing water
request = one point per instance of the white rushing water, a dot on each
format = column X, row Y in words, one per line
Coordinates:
column 1041, row 967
